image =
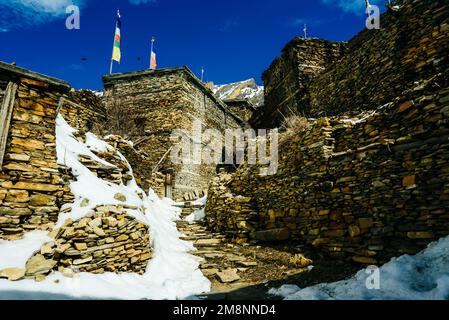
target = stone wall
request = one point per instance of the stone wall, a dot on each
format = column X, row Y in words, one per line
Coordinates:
column 376, row 67
column 158, row 102
column 31, row 186
column 84, row 111
column 412, row 44
column 107, row 240
column 243, row 108
column 288, row 78
column 365, row 188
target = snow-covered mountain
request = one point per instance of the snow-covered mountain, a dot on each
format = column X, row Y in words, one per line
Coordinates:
column 247, row 89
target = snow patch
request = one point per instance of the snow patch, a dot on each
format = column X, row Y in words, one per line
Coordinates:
column 15, row 254
column 199, row 214
column 424, row 276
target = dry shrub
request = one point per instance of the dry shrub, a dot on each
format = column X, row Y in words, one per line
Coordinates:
column 121, row 122
column 292, row 126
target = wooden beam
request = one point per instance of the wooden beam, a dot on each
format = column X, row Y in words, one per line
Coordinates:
column 6, row 110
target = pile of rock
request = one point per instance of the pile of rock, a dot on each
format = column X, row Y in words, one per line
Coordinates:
column 106, row 240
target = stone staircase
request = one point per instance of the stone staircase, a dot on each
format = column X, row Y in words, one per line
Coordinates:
column 221, row 260
column 188, row 207
column 231, row 266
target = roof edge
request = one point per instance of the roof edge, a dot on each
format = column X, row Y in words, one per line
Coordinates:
column 107, row 79
column 22, row 72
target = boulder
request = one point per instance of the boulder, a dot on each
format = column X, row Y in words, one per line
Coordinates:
column 39, row 265
column 228, row 276
column 12, row 274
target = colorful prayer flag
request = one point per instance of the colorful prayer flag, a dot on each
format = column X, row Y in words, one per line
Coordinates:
column 153, row 64
column 116, row 54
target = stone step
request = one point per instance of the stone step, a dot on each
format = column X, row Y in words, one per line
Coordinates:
column 204, row 252
column 208, row 242
column 207, row 265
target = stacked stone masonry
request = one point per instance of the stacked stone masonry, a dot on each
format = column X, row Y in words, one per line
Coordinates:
column 365, row 188
column 33, row 186
column 370, row 70
column 241, row 107
column 288, row 79
column 158, row 102
column 106, row 240
column 411, row 45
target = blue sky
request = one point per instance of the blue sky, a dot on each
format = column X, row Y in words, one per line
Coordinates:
column 233, row 39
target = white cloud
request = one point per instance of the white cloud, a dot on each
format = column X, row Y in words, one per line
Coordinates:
column 26, row 13
column 353, row 6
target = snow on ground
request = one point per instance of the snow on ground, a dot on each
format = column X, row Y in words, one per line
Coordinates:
column 172, row 273
column 198, row 215
column 200, row 202
column 424, row 276
column 18, row 254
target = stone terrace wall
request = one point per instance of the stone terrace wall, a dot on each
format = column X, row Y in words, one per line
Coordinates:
column 31, row 188
column 412, row 44
column 288, row 78
column 84, row 111
column 364, row 189
column 106, row 239
column 158, row 102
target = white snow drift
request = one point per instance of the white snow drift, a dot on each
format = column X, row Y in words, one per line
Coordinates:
column 424, row 276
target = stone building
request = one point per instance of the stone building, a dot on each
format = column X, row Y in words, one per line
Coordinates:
column 153, row 103
column 288, row 78
column 32, row 185
column 370, row 182
column 315, row 77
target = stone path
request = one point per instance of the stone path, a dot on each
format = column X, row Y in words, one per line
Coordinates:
column 231, row 267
